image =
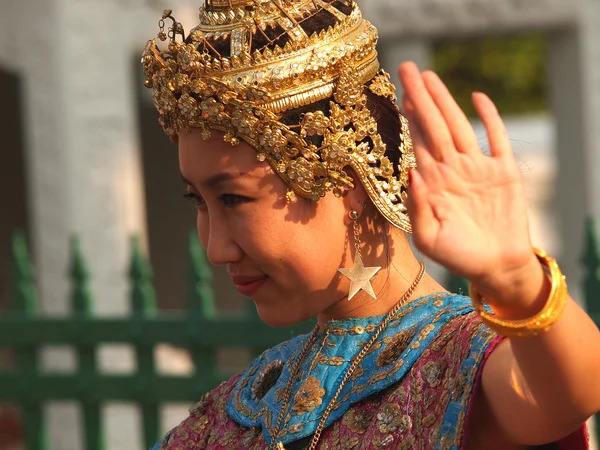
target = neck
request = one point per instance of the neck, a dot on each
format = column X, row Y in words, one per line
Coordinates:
column 390, row 284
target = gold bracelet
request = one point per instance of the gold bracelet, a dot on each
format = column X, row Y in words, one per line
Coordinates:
column 542, row 321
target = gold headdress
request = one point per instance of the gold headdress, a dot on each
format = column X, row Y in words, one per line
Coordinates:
column 250, row 61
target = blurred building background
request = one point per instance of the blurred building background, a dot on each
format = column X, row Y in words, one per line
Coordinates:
column 81, row 152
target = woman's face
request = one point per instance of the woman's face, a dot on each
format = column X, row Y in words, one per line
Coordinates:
column 284, row 256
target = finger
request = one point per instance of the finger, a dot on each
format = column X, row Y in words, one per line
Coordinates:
column 435, row 130
column 422, row 218
column 459, row 126
column 424, row 158
column 407, row 106
column 497, row 135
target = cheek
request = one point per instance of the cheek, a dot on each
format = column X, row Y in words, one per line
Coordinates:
column 257, row 237
column 299, row 256
column 318, row 258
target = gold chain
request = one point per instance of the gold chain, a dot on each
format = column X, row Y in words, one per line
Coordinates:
column 293, row 373
column 354, row 364
column 356, row 237
column 310, row 369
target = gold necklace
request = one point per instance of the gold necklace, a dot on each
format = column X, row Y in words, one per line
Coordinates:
column 354, row 364
column 286, row 398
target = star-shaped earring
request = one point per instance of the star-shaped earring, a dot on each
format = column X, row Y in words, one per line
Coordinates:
column 360, row 277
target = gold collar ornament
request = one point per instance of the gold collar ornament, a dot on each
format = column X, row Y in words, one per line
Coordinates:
column 250, row 61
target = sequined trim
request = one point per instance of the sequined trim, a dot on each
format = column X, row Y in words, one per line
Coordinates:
column 266, row 379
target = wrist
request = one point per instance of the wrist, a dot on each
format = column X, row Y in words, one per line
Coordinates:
column 526, row 301
column 517, row 293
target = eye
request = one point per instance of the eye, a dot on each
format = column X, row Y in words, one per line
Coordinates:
column 199, row 201
column 232, row 200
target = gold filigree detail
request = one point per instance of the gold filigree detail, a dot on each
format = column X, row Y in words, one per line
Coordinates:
column 381, row 85
column 244, row 95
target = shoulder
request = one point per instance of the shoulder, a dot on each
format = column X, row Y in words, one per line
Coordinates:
column 207, row 414
column 458, row 341
column 448, row 319
column 437, row 392
column 208, row 422
column 463, row 343
column 433, row 365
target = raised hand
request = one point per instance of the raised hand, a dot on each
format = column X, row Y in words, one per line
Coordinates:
column 468, row 210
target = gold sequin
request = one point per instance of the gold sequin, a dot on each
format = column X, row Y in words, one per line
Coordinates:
column 395, row 346
column 332, row 361
column 390, row 419
column 266, row 379
column 409, row 415
column 432, row 372
column 309, row 396
column 357, row 420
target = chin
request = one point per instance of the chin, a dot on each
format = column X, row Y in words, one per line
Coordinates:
column 277, row 318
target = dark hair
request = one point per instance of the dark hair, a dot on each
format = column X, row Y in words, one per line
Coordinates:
column 386, row 114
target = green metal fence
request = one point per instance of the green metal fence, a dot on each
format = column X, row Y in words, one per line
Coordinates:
column 591, row 284
column 200, row 328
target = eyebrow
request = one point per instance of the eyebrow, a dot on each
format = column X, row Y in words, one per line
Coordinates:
column 214, row 180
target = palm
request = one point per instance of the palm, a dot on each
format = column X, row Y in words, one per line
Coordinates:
column 468, row 210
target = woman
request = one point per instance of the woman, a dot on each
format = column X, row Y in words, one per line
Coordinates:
column 298, row 162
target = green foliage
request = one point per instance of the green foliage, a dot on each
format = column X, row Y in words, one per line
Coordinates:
column 510, row 69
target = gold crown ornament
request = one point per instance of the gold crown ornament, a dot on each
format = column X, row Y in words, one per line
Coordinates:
column 249, row 62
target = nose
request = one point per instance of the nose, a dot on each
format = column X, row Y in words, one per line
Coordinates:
column 221, row 247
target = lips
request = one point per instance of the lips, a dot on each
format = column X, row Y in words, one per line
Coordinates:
column 241, row 280
column 248, row 285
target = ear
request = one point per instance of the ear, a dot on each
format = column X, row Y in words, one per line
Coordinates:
column 355, row 199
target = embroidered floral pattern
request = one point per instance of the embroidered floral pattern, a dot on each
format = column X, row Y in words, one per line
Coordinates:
column 309, row 396
column 333, row 361
column 199, row 407
column 433, row 371
column 357, row 420
column 391, row 419
column 383, row 441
